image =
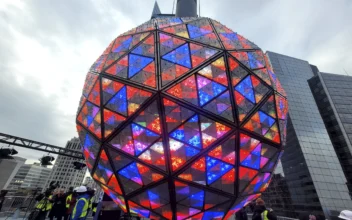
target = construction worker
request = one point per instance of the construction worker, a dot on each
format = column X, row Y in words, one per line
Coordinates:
column 44, row 205
column 70, row 203
column 80, row 210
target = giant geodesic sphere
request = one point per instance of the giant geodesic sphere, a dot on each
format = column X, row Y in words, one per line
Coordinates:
column 181, row 118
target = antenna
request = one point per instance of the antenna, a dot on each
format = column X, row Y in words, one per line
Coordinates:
column 346, row 72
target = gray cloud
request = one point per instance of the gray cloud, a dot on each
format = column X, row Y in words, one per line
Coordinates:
column 318, row 31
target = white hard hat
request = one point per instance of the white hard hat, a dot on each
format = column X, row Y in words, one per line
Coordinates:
column 81, row 189
column 345, row 214
column 75, row 189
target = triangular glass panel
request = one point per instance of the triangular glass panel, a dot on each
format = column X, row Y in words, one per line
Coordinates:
column 136, row 98
column 87, row 114
column 252, row 60
column 94, row 95
column 118, row 160
column 137, row 63
column 124, row 141
column 186, row 90
column 216, row 71
column 120, row 47
column 226, row 151
column 196, row 172
column 183, row 212
column 169, row 43
column 257, row 184
column 120, row 68
column 131, row 172
column 268, row 152
column 148, row 175
column 99, row 64
column 110, row 88
column 201, row 31
column 89, row 83
column 269, row 107
column 237, row 72
column 208, row 90
column 199, row 54
column 142, row 138
column 232, row 40
column 211, row 131
column 263, row 74
column 146, row 76
column 114, row 185
column 118, row 102
column 119, row 200
column 227, row 182
column 146, row 48
column 111, row 121
column 154, row 155
column 153, row 198
column 221, row 106
column 171, row 71
column 103, row 171
column 179, row 30
column 175, row 114
column 149, row 118
column 128, row 185
column 90, row 146
column 138, row 210
column 180, row 153
column 244, row 106
column 180, row 56
column 264, row 125
column 189, row 132
column 168, row 21
column 216, row 169
column 245, row 176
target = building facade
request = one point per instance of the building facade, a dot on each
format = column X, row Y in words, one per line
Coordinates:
column 30, row 176
column 314, row 176
column 333, row 95
column 8, row 169
column 63, row 170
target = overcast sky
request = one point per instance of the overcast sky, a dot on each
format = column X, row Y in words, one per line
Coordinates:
column 47, row 46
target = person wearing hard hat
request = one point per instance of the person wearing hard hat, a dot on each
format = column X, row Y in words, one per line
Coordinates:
column 80, row 210
column 345, row 214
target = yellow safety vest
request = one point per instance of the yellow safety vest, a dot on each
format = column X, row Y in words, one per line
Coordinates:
column 265, row 215
column 85, row 208
column 44, row 207
column 68, row 199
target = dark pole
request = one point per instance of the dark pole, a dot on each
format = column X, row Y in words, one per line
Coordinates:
column 186, row 8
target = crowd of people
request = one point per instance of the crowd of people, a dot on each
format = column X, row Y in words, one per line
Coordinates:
column 75, row 204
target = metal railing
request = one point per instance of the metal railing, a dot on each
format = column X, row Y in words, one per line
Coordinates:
column 12, row 203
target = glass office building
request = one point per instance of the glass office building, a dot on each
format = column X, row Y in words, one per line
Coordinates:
column 312, row 170
column 333, row 95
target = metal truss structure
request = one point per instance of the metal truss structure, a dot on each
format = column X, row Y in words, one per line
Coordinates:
column 35, row 145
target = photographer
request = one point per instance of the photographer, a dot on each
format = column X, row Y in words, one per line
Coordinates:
column 59, row 203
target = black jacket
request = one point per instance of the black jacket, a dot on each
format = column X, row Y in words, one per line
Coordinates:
column 241, row 214
column 259, row 209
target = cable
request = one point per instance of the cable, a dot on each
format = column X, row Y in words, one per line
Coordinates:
column 173, row 7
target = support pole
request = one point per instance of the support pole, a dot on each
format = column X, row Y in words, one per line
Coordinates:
column 186, row 8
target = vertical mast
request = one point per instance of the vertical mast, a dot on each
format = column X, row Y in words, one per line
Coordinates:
column 186, row 8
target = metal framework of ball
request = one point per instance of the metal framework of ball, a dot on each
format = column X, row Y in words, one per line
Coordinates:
column 182, row 118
